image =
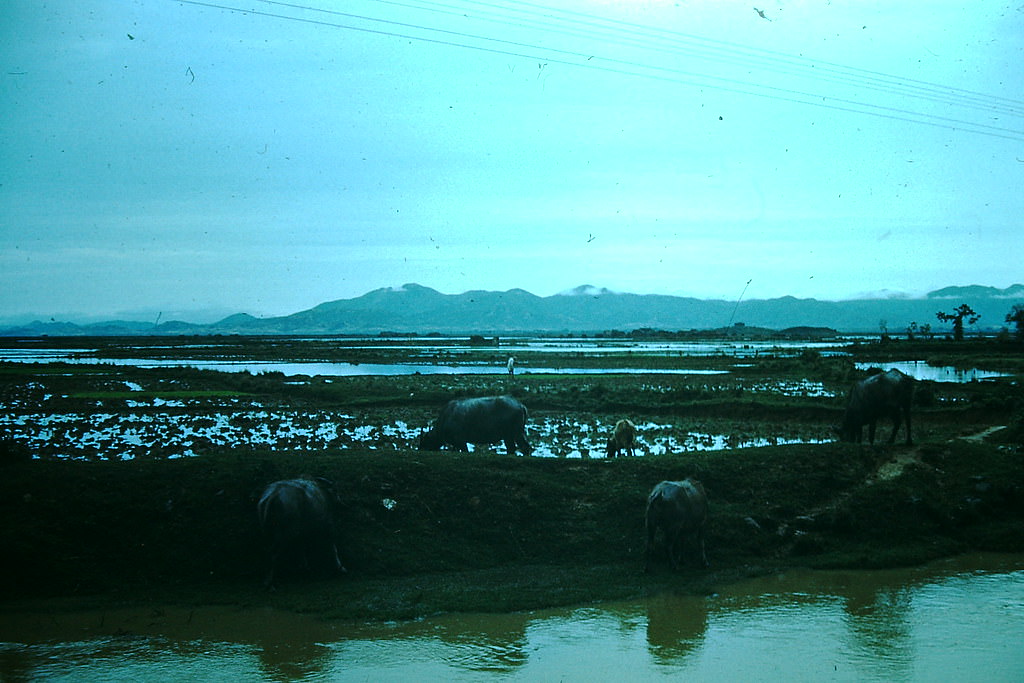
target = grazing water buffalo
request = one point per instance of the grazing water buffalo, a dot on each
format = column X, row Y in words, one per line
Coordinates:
column 680, row 510
column 886, row 394
column 623, row 439
column 479, row 421
column 295, row 516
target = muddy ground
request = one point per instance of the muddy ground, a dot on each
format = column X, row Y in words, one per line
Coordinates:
column 423, row 533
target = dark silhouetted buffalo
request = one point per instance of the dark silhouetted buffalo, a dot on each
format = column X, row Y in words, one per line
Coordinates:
column 886, row 394
column 297, row 523
column 623, row 439
column 680, row 510
column 479, row 421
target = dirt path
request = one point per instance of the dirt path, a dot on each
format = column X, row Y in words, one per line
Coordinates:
column 894, row 468
column 891, row 469
column 983, row 434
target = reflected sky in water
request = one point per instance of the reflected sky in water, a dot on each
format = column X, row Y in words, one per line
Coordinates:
column 960, row 619
column 919, row 369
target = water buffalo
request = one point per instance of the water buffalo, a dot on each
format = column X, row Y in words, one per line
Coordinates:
column 680, row 510
column 479, row 421
column 295, row 516
column 886, row 394
column 623, row 439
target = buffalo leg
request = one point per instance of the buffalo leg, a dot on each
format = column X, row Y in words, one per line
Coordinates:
column 676, row 548
column 337, row 566
column 648, row 548
column 277, row 559
column 700, row 546
column 510, row 446
column 897, row 419
column 522, row 443
column 895, row 428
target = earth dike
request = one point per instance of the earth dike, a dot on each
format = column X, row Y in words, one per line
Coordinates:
column 423, row 533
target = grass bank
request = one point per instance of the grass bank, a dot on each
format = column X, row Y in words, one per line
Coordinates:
column 423, row 533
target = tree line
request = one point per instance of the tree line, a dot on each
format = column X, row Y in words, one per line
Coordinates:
column 959, row 315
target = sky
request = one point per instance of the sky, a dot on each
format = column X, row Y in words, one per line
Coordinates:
column 189, row 160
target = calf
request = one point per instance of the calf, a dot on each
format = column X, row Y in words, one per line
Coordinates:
column 623, row 439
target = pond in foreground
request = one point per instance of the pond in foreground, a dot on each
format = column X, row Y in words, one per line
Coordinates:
column 960, row 619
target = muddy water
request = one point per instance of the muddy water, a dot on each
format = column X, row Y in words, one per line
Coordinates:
column 961, row 619
column 147, row 433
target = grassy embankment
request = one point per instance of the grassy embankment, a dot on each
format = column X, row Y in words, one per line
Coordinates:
column 470, row 532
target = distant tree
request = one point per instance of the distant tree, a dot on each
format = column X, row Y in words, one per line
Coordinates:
column 912, row 329
column 926, row 330
column 957, row 318
column 1016, row 316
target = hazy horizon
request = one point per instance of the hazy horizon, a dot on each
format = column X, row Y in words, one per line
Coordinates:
column 191, row 159
column 206, row 316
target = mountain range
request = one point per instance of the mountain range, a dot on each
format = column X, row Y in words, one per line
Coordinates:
column 412, row 308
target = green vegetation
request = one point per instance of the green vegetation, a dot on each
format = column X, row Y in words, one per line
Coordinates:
column 471, row 532
column 488, row 532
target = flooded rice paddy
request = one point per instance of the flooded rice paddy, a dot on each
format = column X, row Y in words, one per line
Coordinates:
column 169, row 429
column 53, row 424
column 430, row 364
column 311, row 369
column 960, row 619
column 919, row 369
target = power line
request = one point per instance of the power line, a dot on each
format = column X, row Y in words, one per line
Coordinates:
column 585, row 60
column 678, row 44
column 675, row 42
column 806, row 63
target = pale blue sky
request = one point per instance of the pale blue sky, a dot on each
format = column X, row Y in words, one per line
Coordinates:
column 178, row 157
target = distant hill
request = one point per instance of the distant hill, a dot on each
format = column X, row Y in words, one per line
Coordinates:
column 413, row 308
column 978, row 292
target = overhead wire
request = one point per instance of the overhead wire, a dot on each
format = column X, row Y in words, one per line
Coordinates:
column 774, row 54
column 587, row 60
column 676, row 42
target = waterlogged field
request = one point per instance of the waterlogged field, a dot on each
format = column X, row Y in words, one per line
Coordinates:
column 138, row 484
column 683, row 397
column 176, row 428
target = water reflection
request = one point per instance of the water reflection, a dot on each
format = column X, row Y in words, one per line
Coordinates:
column 961, row 619
column 675, row 626
column 878, row 624
column 492, row 644
column 916, row 369
column 919, row 369
column 348, row 369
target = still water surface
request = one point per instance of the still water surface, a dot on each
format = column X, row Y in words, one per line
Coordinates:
column 916, row 369
column 919, row 369
column 957, row 620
